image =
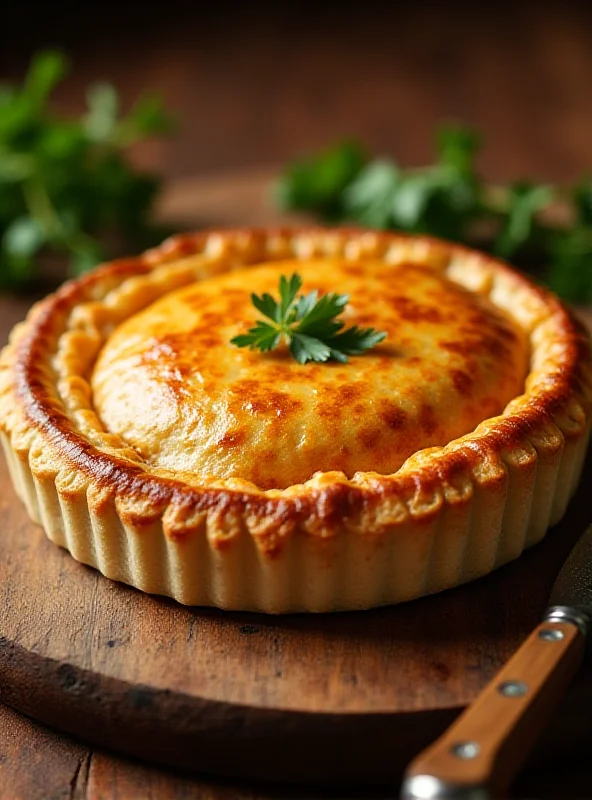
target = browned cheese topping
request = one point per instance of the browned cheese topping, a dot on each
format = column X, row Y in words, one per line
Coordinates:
column 169, row 382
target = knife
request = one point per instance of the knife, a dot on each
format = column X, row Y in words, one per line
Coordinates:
column 477, row 757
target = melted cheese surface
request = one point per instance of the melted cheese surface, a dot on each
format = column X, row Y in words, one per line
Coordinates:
column 169, row 382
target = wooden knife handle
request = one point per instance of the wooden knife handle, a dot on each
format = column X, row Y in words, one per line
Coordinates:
column 480, row 753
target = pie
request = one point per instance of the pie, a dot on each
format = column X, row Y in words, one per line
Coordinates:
column 150, row 447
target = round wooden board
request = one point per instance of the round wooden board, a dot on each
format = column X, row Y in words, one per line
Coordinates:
column 334, row 699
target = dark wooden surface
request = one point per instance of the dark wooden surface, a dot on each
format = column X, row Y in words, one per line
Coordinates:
column 253, row 88
column 244, row 695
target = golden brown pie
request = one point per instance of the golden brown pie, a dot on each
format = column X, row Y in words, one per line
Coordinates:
column 158, row 452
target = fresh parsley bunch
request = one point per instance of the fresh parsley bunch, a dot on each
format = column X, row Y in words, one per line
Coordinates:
column 308, row 324
column 65, row 184
column 450, row 199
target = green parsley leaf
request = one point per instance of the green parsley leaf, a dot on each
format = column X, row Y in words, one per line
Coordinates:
column 319, row 319
column 308, row 325
column 147, row 118
column 306, row 303
column 583, row 200
column 570, row 264
column 353, row 341
column 524, row 200
column 442, row 199
column 288, row 291
column 262, row 337
column 448, row 198
column 371, row 196
column 100, row 120
column 23, row 238
column 316, row 184
column 411, row 200
column 306, row 348
column 457, row 147
column 46, row 70
column 66, row 185
column 20, row 242
column 267, row 306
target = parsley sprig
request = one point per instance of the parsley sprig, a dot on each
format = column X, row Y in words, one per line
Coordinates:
column 308, row 324
column 449, row 198
column 66, row 185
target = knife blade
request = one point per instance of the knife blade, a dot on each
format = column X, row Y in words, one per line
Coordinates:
column 477, row 757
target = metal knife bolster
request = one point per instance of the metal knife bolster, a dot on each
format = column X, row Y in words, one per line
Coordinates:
column 571, row 598
column 568, row 614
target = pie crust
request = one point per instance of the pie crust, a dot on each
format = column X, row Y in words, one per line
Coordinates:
column 126, row 493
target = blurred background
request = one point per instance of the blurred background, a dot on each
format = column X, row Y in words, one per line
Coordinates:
column 258, row 83
column 253, row 86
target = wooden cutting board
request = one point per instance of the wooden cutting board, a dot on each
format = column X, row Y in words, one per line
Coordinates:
column 335, row 699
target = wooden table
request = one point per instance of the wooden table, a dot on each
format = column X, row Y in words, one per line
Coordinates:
column 253, row 88
column 35, row 762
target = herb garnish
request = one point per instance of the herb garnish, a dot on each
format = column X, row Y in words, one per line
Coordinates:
column 65, row 184
column 450, row 199
column 307, row 324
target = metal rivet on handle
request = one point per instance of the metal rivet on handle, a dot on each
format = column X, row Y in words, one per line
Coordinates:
column 551, row 635
column 512, row 688
column 465, row 750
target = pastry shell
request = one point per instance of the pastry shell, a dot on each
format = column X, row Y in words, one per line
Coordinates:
column 448, row 515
